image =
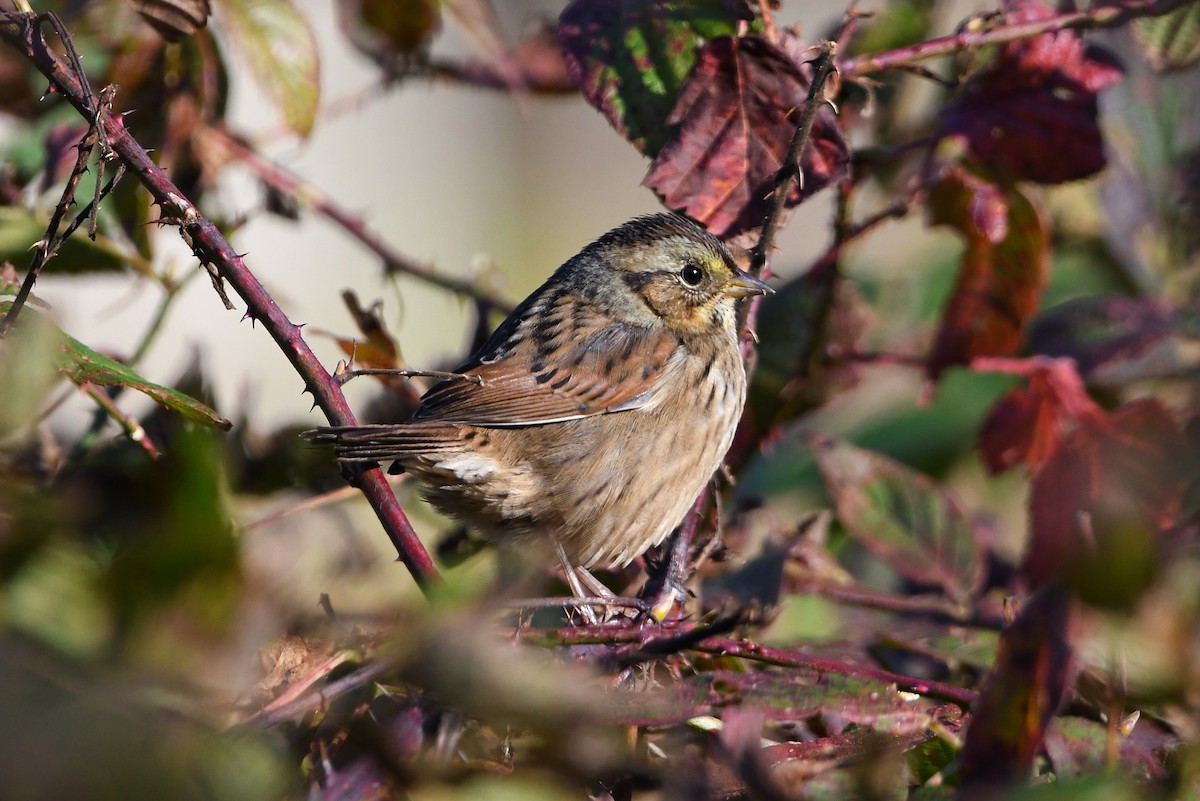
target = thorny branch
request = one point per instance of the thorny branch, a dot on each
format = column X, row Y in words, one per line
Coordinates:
column 48, row 247
column 23, row 32
column 790, row 170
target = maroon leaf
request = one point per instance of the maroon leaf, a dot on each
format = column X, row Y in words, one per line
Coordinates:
column 1003, row 269
column 1020, row 695
column 1032, row 112
column 736, row 116
column 1099, row 331
column 1101, row 498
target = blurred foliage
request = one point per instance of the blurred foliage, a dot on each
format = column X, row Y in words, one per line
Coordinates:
column 979, row 578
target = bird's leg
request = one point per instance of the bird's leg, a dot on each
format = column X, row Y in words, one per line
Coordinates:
column 594, row 584
column 588, row 613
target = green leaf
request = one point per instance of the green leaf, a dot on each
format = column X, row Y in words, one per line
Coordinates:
column 902, row 516
column 630, row 57
column 896, row 25
column 279, row 46
column 1172, row 41
column 83, row 365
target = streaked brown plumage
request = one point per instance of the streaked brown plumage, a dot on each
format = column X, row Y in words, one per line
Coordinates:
column 608, row 399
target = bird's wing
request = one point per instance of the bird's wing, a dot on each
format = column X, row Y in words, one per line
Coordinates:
column 564, row 364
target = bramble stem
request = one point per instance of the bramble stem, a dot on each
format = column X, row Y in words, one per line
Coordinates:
column 23, row 32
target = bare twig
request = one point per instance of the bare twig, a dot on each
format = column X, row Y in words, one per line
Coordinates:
column 343, row 376
column 1098, row 16
column 573, row 602
column 89, row 212
column 133, row 429
column 481, row 76
column 48, row 246
column 314, row 502
column 22, row 31
column 292, row 185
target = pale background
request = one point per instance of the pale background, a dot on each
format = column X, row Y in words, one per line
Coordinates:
column 457, row 176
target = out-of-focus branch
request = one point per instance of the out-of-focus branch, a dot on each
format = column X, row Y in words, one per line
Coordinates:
column 23, row 32
column 481, row 76
column 132, row 428
column 984, row 34
column 280, row 179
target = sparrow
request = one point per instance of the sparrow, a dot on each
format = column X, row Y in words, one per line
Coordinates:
column 593, row 417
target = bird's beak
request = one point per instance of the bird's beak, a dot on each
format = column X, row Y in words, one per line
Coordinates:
column 743, row 285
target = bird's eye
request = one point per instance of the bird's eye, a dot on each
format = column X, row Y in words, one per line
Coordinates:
column 691, row 274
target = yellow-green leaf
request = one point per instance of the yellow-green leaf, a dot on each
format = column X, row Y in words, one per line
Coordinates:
column 83, row 365
column 1172, row 41
column 276, row 41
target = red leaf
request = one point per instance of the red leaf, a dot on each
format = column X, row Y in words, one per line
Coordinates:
column 1020, row 695
column 1101, row 498
column 1003, row 269
column 1032, row 112
column 1028, row 423
column 736, row 115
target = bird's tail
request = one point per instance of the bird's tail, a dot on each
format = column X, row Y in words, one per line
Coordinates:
column 381, row 443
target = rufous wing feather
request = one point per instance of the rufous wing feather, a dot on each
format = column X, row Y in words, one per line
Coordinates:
column 547, row 375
